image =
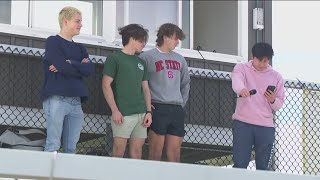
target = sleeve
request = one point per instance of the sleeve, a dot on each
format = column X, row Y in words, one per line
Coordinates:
column 237, row 78
column 54, row 56
column 84, row 68
column 110, row 67
column 185, row 82
column 146, row 72
column 143, row 56
column 280, row 94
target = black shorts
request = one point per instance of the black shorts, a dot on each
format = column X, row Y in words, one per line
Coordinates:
column 168, row 119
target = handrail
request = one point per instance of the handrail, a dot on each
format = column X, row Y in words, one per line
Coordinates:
column 54, row 166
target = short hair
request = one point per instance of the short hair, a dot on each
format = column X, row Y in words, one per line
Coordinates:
column 261, row 50
column 67, row 13
column 169, row 29
column 135, row 31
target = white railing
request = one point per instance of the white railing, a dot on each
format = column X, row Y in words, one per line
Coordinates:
column 53, row 166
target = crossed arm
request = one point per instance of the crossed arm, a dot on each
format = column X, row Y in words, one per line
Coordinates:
column 78, row 66
column 58, row 63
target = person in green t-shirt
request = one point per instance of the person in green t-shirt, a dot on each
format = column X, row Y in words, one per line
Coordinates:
column 125, row 87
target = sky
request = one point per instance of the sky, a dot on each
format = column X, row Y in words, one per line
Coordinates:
column 296, row 44
column 296, row 39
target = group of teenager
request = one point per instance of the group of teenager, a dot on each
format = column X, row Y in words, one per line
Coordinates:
column 147, row 92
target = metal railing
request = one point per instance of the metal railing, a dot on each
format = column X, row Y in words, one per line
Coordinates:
column 208, row 123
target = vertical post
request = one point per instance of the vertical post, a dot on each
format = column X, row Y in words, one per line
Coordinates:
column 310, row 133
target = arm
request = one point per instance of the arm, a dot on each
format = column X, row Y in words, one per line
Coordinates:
column 147, row 97
column 185, row 83
column 238, row 79
column 54, row 56
column 109, row 96
column 279, row 95
column 85, row 67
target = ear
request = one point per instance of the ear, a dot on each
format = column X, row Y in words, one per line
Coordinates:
column 131, row 39
column 266, row 59
column 65, row 21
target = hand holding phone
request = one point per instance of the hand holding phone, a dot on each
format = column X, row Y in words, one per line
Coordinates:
column 271, row 88
column 270, row 96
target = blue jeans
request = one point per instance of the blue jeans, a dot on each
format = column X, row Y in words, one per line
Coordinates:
column 64, row 118
column 247, row 135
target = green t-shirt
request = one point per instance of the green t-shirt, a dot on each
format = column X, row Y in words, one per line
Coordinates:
column 128, row 72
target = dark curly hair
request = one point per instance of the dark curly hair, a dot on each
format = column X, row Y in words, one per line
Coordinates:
column 136, row 31
column 169, row 29
column 261, row 50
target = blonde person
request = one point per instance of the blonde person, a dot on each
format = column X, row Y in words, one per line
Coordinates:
column 65, row 64
column 125, row 87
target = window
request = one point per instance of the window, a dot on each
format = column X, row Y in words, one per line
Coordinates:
column 214, row 26
column 14, row 12
column 150, row 14
column 219, row 26
column 19, row 13
column 44, row 14
column 5, row 11
column 187, row 25
column 45, row 17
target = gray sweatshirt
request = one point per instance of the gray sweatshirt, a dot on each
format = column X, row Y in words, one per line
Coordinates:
column 169, row 77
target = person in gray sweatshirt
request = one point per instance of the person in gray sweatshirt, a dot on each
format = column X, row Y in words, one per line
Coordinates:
column 169, row 83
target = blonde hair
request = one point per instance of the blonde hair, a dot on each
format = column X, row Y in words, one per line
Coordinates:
column 67, row 13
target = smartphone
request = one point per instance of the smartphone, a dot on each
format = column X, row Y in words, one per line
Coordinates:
column 271, row 88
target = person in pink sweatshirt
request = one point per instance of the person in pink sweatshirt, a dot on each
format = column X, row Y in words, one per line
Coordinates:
column 253, row 118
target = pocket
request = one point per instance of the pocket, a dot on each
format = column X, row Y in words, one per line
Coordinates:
column 155, row 107
column 182, row 110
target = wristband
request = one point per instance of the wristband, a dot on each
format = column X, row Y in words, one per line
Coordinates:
column 149, row 112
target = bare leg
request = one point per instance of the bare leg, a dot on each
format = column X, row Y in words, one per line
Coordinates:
column 135, row 150
column 156, row 143
column 119, row 146
column 173, row 145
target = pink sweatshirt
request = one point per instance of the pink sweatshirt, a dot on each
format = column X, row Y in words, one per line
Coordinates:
column 256, row 109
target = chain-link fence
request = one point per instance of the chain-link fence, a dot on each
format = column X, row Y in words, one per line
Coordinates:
column 208, row 123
